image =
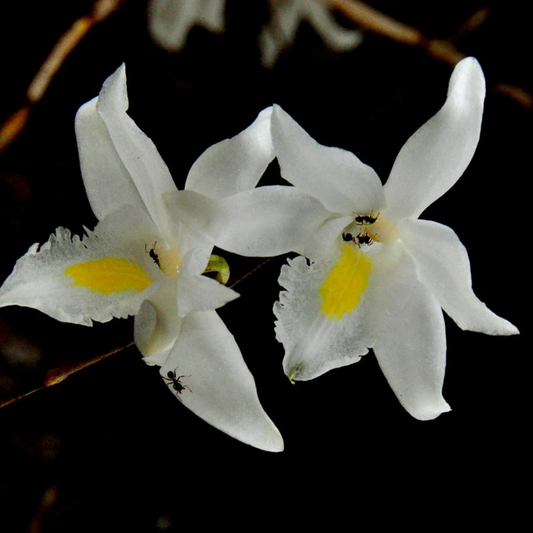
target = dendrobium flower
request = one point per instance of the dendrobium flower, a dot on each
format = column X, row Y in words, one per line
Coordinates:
column 285, row 18
column 376, row 275
column 170, row 21
column 140, row 260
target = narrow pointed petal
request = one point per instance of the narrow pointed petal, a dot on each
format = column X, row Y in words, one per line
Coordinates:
column 336, row 177
column 137, row 152
column 106, row 274
column 335, row 36
column 279, row 33
column 212, row 15
column 170, row 21
column 219, row 387
column 315, row 343
column 107, row 181
column 235, row 164
column 436, row 155
column 443, row 266
column 261, row 222
column 410, row 341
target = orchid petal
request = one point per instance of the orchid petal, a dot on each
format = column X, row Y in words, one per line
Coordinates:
column 436, row 155
column 266, row 221
column 443, row 266
column 107, row 181
column 170, row 21
column 220, row 388
column 235, row 164
column 313, row 342
column 410, row 340
column 136, row 151
column 334, row 176
column 334, row 35
column 279, row 33
column 40, row 279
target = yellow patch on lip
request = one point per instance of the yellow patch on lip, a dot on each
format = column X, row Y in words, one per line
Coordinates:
column 110, row 274
column 342, row 289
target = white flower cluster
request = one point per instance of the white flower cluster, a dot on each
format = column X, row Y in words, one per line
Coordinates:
column 370, row 273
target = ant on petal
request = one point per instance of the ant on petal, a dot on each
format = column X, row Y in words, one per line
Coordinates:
column 366, row 219
column 174, row 381
column 153, row 254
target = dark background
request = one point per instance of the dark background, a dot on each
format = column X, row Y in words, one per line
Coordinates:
column 109, row 449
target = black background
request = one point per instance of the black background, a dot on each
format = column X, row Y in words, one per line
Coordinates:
column 109, row 449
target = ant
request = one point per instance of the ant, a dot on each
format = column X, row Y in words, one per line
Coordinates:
column 175, row 382
column 364, row 238
column 152, row 254
column 366, row 219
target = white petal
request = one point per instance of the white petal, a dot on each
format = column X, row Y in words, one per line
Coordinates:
column 279, row 33
column 197, row 292
column 212, row 15
column 334, row 35
column 39, row 280
column 314, row 343
column 266, row 221
column 269, row 47
column 235, row 164
column 443, row 266
column 107, row 182
column 170, row 21
column 336, row 177
column 436, row 155
column 136, row 151
column 220, row 388
column 410, row 340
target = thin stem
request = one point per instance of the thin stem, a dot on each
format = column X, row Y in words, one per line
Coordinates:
column 242, row 278
column 372, row 20
column 57, row 375
column 15, row 124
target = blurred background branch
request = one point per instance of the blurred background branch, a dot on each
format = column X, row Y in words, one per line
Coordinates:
column 15, row 124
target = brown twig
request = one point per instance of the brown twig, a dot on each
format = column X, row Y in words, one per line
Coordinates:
column 57, row 375
column 255, row 269
column 372, row 20
column 15, row 124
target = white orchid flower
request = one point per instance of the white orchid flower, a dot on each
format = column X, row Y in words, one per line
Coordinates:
column 285, row 19
column 378, row 276
column 140, row 261
column 170, row 21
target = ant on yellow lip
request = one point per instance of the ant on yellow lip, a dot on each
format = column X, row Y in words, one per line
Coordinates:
column 152, row 254
column 174, row 381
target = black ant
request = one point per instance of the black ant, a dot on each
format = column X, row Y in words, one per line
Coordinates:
column 152, row 254
column 364, row 238
column 366, row 219
column 175, row 382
